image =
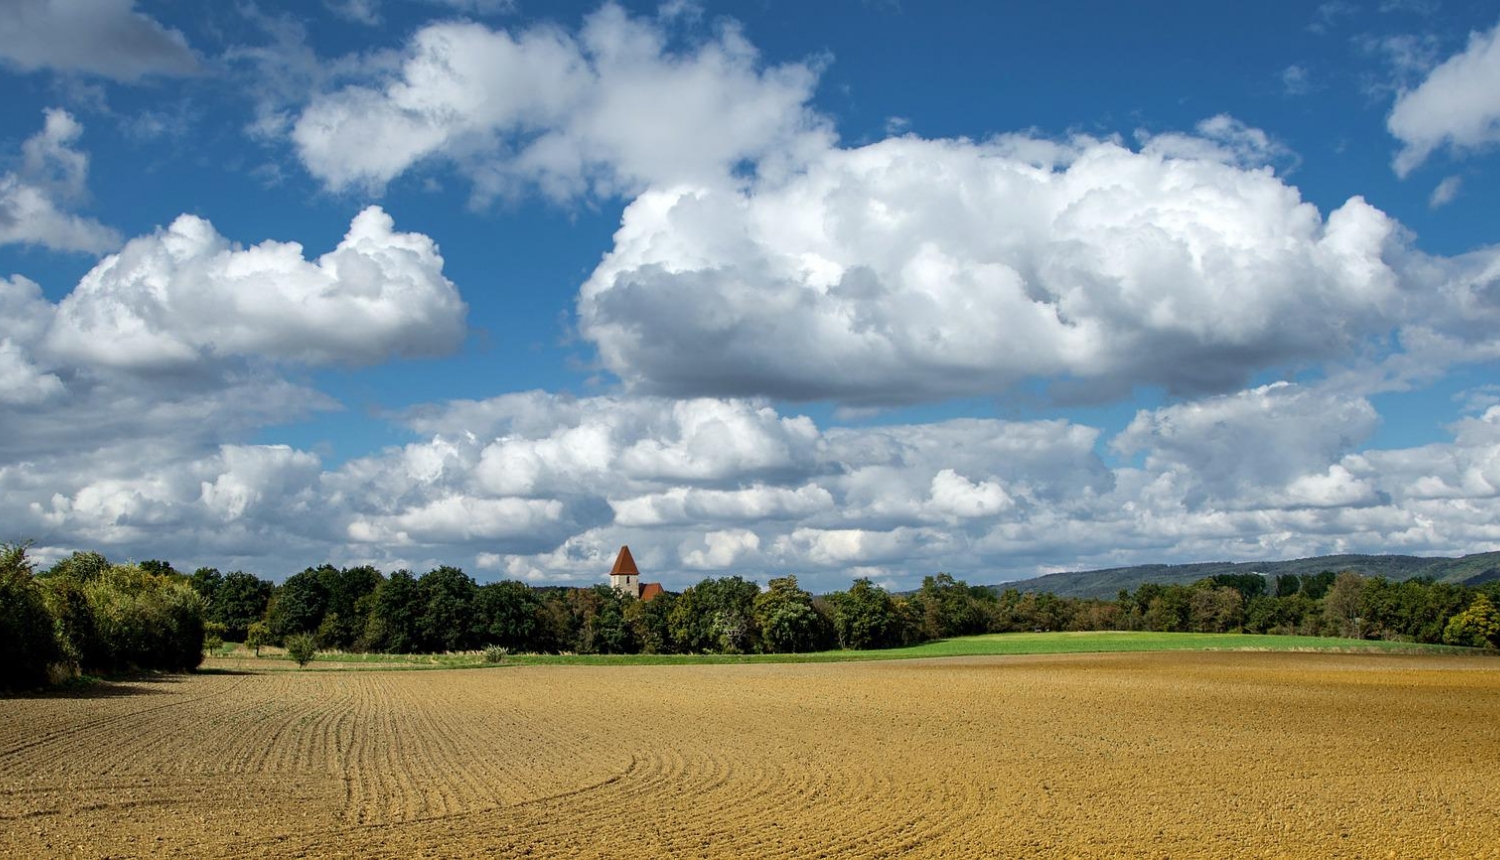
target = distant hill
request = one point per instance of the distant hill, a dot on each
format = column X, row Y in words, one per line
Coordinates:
column 1469, row 570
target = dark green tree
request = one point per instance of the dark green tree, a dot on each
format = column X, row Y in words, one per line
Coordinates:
column 650, row 623
column 1316, row 585
column 206, row 581
column 239, row 600
column 160, row 568
column 787, row 620
column 1288, row 584
column 865, row 617
column 1412, row 610
column 506, row 614
column 298, row 604
column 716, row 615
column 448, row 620
column 599, row 621
column 1249, row 585
column 394, row 624
column 948, row 607
column 1005, row 616
column 1170, row 611
column 1042, row 611
column 1268, row 614
column 349, row 591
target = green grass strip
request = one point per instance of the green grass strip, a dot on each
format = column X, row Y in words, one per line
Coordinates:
column 1005, row 644
column 988, row 645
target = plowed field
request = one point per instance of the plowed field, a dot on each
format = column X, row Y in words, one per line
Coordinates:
column 1181, row 755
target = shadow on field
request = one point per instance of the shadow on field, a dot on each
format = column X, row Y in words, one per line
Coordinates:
column 95, row 690
column 91, row 687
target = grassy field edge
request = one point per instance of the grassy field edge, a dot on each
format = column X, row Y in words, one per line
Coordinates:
column 986, row 645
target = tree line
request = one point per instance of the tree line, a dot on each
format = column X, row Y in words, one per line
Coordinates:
column 87, row 614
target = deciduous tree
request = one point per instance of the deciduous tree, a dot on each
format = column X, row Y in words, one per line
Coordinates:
column 865, row 617
column 448, row 618
column 506, row 614
column 1477, row 627
column 786, row 617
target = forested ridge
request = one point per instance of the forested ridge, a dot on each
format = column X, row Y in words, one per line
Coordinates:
column 1475, row 569
column 87, row 614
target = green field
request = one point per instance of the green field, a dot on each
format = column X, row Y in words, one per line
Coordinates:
column 994, row 644
column 1104, row 641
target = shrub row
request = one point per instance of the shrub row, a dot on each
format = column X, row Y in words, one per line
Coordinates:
column 87, row 615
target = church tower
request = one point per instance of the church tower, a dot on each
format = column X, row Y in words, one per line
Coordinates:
column 624, row 577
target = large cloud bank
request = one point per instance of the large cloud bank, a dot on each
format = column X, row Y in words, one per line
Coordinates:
column 546, row 487
column 915, row 269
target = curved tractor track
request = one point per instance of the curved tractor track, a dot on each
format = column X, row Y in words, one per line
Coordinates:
column 1165, row 755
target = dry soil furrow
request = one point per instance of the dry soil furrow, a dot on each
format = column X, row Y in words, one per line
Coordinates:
column 1091, row 756
column 71, row 724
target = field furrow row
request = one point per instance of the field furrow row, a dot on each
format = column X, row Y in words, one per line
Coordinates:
column 1093, row 756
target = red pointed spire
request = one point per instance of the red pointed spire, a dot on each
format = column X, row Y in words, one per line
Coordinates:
column 624, row 564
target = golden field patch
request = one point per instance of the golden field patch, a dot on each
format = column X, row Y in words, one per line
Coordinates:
column 1168, row 755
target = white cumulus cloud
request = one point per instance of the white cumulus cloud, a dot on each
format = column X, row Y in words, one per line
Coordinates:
column 719, row 550
column 1267, row 472
column 913, row 270
column 34, row 200
column 610, row 108
column 186, row 293
column 1457, row 105
column 23, row 378
column 1230, row 450
column 693, row 505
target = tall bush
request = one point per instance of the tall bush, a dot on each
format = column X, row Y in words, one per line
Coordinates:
column 301, row 647
column 27, row 637
column 115, row 618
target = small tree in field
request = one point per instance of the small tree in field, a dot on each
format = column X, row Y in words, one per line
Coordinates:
column 301, row 647
column 213, row 635
column 257, row 636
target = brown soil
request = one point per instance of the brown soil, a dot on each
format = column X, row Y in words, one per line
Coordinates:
column 1228, row 755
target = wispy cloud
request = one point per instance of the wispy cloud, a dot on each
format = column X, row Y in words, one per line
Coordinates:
column 1445, row 191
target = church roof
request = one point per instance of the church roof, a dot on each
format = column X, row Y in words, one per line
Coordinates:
column 624, row 564
column 650, row 590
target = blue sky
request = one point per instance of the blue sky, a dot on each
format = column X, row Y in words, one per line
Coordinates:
column 837, row 289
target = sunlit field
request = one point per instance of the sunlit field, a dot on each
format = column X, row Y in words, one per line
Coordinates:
column 1168, row 754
